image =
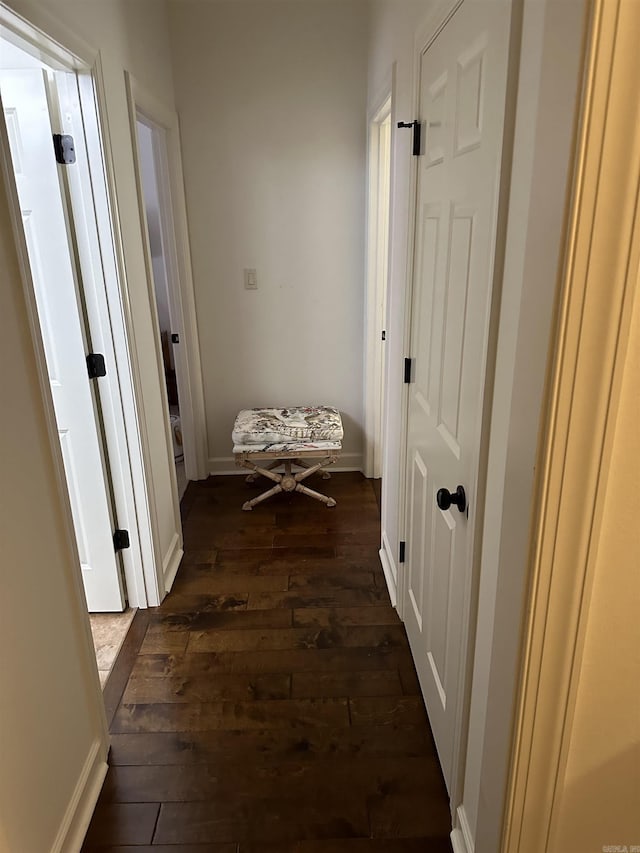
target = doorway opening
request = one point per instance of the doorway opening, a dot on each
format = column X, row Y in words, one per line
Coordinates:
column 377, row 277
column 152, row 159
column 52, row 159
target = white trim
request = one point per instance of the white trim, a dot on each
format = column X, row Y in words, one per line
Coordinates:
column 102, row 293
column 77, row 817
column 377, row 276
column 219, row 465
column 389, row 569
column 29, row 24
column 171, row 563
column 134, row 97
column 153, row 310
column 129, row 367
column 461, row 837
column 175, row 239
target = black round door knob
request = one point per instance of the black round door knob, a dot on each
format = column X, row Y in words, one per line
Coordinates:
column 444, row 498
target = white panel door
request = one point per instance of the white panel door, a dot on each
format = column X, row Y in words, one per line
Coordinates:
column 26, row 114
column 462, row 92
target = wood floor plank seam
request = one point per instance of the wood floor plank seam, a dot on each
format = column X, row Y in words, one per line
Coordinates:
column 271, row 704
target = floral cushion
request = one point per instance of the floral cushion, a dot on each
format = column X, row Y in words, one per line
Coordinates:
column 286, row 430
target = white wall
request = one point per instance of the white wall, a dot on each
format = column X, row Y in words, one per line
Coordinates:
column 50, row 701
column 548, row 78
column 271, row 96
column 134, row 37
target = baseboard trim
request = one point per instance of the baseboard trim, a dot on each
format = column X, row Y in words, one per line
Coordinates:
column 226, row 464
column 80, row 810
column 388, row 567
column 461, row 838
column 172, row 562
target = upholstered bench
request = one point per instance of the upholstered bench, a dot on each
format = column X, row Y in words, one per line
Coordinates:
column 287, row 437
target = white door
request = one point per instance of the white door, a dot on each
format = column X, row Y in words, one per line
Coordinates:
column 462, row 93
column 24, row 100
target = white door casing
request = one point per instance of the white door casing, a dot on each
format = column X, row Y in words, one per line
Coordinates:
column 378, row 216
column 461, row 101
column 92, row 227
column 25, row 106
column 167, row 155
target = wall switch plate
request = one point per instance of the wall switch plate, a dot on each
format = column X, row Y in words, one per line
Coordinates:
column 250, row 280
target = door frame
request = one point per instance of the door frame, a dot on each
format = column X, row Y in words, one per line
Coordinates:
column 596, row 302
column 377, row 277
column 124, row 439
column 425, row 35
column 164, row 125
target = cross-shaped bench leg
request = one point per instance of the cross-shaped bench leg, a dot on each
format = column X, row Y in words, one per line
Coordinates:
column 287, row 482
column 325, row 474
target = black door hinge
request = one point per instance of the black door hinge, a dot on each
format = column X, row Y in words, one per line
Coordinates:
column 175, row 338
column 384, row 335
column 95, row 365
column 65, row 148
column 401, row 551
column 417, row 135
column 408, row 369
column 120, row 540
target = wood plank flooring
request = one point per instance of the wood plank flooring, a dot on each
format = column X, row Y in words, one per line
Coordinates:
column 270, row 705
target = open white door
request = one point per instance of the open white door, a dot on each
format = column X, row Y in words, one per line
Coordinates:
column 462, row 97
column 24, row 99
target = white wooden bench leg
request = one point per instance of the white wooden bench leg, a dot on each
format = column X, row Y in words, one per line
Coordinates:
column 264, row 472
column 325, row 474
column 287, row 481
column 248, row 505
column 316, row 495
column 251, row 478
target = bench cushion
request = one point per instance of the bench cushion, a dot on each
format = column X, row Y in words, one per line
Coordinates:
column 288, row 429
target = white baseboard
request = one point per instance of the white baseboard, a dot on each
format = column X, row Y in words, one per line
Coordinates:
column 171, row 562
column 389, row 569
column 227, row 465
column 461, row 838
column 223, row 465
column 79, row 812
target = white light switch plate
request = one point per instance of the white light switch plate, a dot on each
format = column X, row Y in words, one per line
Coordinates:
column 250, row 280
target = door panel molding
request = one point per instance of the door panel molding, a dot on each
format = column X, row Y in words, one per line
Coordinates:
column 468, row 282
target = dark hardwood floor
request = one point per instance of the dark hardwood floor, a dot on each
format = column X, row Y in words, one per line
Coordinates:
column 270, row 705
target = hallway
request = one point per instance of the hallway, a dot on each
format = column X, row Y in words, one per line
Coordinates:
column 270, row 704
